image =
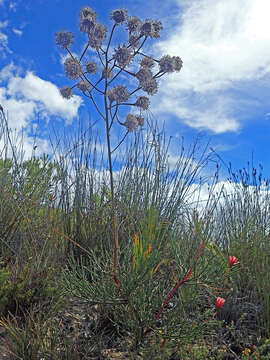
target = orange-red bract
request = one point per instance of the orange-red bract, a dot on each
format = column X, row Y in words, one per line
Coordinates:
column 232, row 260
column 219, row 302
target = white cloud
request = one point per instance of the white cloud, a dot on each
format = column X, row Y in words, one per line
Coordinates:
column 223, row 44
column 4, row 40
column 30, row 91
column 23, row 96
column 17, row 32
column 4, row 43
column 13, row 5
column 3, row 24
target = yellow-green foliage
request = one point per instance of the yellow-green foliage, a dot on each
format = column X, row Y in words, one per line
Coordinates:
column 18, row 291
column 6, row 289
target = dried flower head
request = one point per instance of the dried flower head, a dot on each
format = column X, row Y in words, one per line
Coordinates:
column 86, row 25
column 147, row 62
column 119, row 15
column 64, row 39
column 157, row 27
column 140, row 120
column 120, row 93
column 131, row 122
column 134, row 24
column 123, row 56
column 91, row 67
column 150, row 87
column 97, row 36
column 107, row 73
column 151, row 28
column 168, row 64
column 87, row 12
column 178, row 63
column 83, row 85
column 144, row 75
column 134, row 40
column 73, row 68
column 88, row 19
column 66, row 92
column 143, row 102
column 147, row 28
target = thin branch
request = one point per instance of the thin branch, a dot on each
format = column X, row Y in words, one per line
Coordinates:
column 93, row 100
column 120, row 142
column 93, row 86
column 110, row 39
column 84, row 51
column 112, row 117
column 100, row 58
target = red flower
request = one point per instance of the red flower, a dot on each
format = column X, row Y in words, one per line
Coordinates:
column 219, row 302
column 232, row 260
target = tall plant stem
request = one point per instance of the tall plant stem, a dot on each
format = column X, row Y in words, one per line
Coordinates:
column 114, row 220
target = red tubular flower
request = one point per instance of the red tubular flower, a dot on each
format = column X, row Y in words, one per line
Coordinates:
column 232, row 260
column 219, row 302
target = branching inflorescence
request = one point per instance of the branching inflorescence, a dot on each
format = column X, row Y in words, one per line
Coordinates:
column 112, row 63
column 120, row 61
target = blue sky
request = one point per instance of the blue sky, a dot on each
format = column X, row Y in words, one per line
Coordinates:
column 222, row 91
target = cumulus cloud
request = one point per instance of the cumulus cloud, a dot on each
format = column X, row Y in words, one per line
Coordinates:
column 224, row 47
column 24, row 95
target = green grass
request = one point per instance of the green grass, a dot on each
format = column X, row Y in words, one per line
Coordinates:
column 56, row 244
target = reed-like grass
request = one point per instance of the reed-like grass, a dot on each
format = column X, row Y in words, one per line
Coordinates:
column 56, row 244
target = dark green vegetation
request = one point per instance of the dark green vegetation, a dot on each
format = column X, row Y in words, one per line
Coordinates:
column 56, row 255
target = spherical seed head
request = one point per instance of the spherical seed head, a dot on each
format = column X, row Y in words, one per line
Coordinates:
column 107, row 74
column 151, row 28
column 157, row 28
column 87, row 12
column 120, row 94
column 166, row 64
column 143, row 102
column 66, row 92
column 134, row 40
column 147, row 62
column 119, row 15
column 147, row 28
column 144, row 75
column 86, row 25
column 133, row 24
column 140, row 120
column 97, row 35
column 88, row 19
column 123, row 56
column 64, row 39
column 91, row 67
column 83, row 85
column 150, row 87
column 178, row 63
column 131, row 122
column 73, row 68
